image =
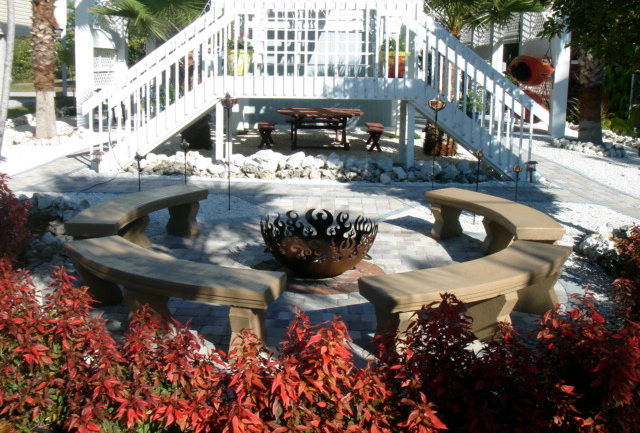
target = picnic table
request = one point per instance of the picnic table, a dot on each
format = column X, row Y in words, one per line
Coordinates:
column 319, row 118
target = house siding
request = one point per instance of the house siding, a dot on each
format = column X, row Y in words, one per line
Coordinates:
column 23, row 17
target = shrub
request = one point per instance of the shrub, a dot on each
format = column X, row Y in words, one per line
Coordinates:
column 62, row 370
column 590, row 372
column 48, row 353
column 627, row 284
column 492, row 390
column 14, row 229
column 22, row 71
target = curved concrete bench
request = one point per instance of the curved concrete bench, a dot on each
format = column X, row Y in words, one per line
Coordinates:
column 127, row 215
column 504, row 220
column 520, row 277
column 150, row 277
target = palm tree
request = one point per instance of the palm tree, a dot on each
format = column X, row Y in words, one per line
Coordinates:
column 43, row 59
column 154, row 19
column 8, row 62
column 458, row 16
column 590, row 96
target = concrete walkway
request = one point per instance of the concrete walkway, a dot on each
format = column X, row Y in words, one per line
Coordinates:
column 231, row 237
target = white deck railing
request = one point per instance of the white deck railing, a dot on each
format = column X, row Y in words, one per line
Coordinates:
column 313, row 49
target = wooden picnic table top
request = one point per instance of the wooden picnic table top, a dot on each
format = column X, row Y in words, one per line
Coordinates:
column 320, row 112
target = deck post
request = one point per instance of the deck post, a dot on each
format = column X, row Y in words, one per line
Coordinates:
column 218, row 152
column 561, row 58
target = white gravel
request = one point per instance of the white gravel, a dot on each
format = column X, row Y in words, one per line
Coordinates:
column 621, row 174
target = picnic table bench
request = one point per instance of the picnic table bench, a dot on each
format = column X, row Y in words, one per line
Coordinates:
column 319, row 118
column 504, row 220
column 151, row 277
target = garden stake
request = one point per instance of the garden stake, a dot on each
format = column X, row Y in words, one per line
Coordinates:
column 436, row 104
column 517, row 169
column 138, row 159
column 228, row 102
column 185, row 146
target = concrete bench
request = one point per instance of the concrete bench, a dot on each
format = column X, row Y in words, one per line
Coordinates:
column 375, row 131
column 150, row 277
column 127, row 215
column 520, row 277
column 504, row 220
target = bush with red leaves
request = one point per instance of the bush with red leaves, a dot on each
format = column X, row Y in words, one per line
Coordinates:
column 14, row 226
column 62, row 370
column 628, row 282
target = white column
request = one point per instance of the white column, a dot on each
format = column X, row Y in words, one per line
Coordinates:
column 218, row 151
column 407, row 129
column 561, row 58
column 411, row 127
column 84, row 57
column 497, row 52
column 402, row 122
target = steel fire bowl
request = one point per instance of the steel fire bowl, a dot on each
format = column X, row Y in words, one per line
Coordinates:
column 318, row 246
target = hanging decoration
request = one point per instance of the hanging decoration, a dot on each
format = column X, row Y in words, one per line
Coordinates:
column 530, row 70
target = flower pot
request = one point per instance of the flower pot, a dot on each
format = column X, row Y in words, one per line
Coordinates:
column 239, row 61
column 391, row 63
column 529, row 70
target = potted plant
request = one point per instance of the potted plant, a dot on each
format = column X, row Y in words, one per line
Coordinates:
column 391, row 48
column 472, row 103
column 239, row 54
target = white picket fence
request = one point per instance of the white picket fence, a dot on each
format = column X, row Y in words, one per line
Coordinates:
column 318, row 50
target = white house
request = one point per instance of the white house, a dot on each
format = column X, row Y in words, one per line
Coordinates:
column 311, row 53
column 22, row 13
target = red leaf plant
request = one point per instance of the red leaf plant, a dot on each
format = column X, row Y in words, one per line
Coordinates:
column 14, row 217
column 311, row 384
column 591, row 373
column 627, row 285
column 490, row 390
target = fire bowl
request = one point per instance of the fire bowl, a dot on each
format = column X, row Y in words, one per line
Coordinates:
column 318, row 245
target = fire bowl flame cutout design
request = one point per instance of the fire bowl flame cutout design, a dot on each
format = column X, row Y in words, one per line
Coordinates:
column 321, row 246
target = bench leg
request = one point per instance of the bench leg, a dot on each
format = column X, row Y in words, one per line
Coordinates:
column 447, row 223
column 136, row 299
column 250, row 319
column 103, row 291
column 265, row 139
column 182, row 220
column 486, row 314
column 498, row 238
column 540, row 297
column 374, row 138
column 134, row 232
column 396, row 321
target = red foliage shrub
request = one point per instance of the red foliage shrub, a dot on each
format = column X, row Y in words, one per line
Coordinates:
column 628, row 281
column 591, row 373
column 14, row 228
column 48, row 353
column 312, row 385
column 61, row 368
column 491, row 390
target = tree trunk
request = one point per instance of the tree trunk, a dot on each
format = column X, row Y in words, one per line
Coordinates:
column 8, row 63
column 590, row 124
column 43, row 59
column 591, row 79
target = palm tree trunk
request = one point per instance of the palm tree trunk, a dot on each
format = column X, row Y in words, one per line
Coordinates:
column 43, row 60
column 591, row 79
column 8, row 63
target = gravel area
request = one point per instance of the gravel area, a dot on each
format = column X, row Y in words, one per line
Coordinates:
column 621, row 174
